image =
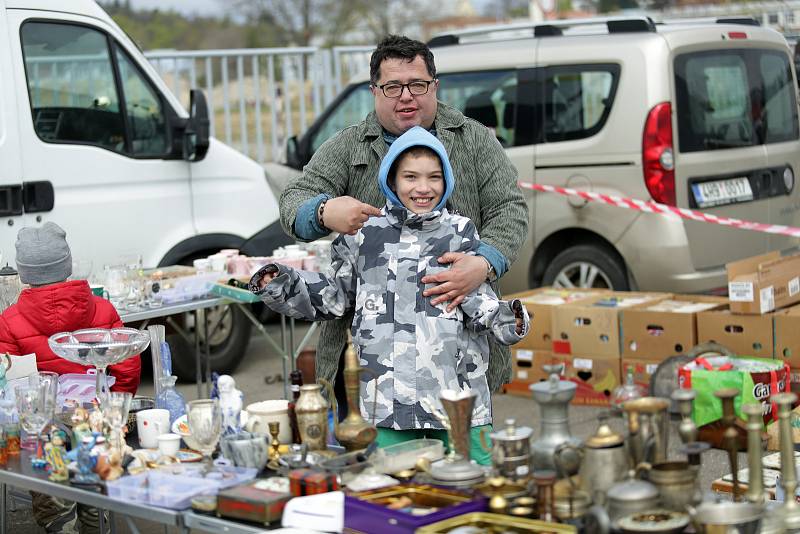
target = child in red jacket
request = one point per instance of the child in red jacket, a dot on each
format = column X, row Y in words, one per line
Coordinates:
column 52, row 305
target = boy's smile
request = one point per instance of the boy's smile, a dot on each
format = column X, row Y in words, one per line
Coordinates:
column 419, row 182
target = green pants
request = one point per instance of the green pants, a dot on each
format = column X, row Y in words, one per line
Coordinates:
column 387, row 436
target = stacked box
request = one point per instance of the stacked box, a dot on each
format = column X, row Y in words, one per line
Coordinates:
column 666, row 328
column 744, row 335
column 534, row 350
column 761, row 284
column 588, row 333
column 527, row 369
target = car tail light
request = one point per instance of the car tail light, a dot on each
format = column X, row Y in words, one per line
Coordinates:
column 658, row 158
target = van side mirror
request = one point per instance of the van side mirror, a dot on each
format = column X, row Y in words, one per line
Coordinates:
column 195, row 137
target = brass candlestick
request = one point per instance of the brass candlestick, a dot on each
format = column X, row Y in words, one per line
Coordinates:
column 790, row 511
column 274, row 446
column 354, row 433
column 730, row 436
column 755, row 484
column 687, row 430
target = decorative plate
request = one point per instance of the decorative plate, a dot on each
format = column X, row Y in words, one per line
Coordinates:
column 186, row 456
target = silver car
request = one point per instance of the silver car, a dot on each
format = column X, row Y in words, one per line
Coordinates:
column 699, row 115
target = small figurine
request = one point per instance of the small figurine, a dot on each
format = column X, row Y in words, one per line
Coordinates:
column 96, row 418
column 230, row 402
column 38, row 460
column 55, row 453
column 86, row 462
column 80, row 425
column 3, row 369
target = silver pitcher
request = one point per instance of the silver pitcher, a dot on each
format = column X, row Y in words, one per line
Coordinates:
column 553, row 397
column 604, row 461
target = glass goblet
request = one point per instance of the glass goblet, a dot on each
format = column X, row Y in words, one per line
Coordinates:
column 205, row 425
column 34, row 410
column 115, row 407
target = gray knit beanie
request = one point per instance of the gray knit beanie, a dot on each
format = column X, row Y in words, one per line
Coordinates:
column 43, row 256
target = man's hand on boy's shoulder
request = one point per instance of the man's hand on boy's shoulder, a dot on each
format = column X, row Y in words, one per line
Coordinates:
column 346, row 215
column 465, row 275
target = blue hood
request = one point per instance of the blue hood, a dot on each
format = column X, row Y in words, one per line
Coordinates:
column 416, row 136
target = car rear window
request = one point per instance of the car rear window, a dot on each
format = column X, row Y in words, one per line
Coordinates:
column 734, row 98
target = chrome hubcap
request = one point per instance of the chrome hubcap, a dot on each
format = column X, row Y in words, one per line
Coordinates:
column 582, row 274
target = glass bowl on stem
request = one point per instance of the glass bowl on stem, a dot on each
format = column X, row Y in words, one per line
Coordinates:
column 99, row 348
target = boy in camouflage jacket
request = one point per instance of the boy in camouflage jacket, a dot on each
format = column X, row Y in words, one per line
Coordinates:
column 416, row 350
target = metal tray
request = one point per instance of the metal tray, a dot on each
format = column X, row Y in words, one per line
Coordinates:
column 488, row 523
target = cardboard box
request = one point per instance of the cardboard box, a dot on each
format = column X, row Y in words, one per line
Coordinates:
column 540, row 303
column 595, row 376
column 745, row 335
column 591, row 326
column 763, row 283
column 666, row 328
column 642, row 371
column 527, row 370
column 787, row 336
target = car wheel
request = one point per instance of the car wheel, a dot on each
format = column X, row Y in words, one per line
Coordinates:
column 586, row 266
column 227, row 342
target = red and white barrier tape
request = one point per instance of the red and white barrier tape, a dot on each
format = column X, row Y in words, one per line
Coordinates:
column 663, row 209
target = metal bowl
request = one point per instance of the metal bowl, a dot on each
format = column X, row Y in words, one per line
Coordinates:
column 138, row 404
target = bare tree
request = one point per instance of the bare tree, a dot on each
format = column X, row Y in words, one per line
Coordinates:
column 305, row 21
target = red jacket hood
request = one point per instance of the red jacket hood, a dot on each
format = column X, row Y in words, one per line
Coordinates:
column 55, row 308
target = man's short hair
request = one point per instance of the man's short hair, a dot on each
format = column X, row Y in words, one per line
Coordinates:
column 415, row 151
column 399, row 47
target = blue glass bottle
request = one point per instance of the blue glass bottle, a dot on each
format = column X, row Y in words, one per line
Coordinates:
column 170, row 399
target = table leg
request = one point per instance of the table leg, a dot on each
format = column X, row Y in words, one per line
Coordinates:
column 112, row 523
column 101, row 520
column 2, row 508
column 197, row 360
column 207, row 353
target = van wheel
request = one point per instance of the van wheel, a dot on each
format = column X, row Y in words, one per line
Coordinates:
column 228, row 342
column 587, row 266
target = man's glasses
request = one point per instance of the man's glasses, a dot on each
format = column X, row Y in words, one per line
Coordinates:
column 416, row 88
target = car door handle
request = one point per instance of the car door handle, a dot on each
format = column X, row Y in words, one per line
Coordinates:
column 10, row 200
column 38, row 196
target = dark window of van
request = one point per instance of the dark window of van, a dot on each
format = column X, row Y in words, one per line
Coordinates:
column 77, row 97
column 487, row 96
column 71, row 85
column 143, row 108
column 577, row 100
column 734, row 98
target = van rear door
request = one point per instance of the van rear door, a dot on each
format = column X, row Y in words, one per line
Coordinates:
column 737, row 131
column 98, row 131
column 11, row 212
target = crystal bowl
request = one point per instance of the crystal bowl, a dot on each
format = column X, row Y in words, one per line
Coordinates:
column 99, row 347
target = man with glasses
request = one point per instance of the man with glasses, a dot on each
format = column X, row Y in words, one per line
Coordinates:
column 338, row 190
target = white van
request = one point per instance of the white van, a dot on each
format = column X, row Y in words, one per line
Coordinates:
column 92, row 139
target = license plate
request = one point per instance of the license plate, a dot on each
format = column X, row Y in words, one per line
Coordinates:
column 720, row 192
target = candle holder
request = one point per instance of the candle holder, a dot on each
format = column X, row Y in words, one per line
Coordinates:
column 730, row 435
column 790, row 511
column 687, row 430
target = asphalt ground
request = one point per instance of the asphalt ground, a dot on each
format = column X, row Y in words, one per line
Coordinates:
column 259, row 377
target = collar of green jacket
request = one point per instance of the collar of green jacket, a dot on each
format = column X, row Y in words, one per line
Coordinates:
column 447, row 118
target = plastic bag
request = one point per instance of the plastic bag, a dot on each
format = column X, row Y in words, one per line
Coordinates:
column 756, row 378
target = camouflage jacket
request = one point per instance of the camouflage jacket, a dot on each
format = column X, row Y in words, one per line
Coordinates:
column 414, row 349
